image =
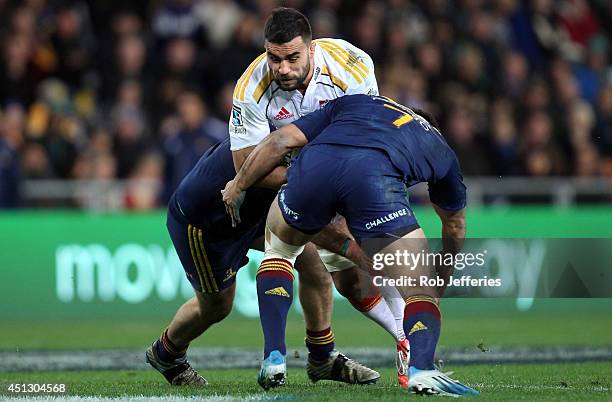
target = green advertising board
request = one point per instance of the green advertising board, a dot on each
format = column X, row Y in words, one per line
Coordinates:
column 63, row 265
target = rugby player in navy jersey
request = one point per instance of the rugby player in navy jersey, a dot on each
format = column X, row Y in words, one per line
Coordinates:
column 212, row 250
column 360, row 154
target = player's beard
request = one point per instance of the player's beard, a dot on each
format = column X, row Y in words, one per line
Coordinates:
column 299, row 81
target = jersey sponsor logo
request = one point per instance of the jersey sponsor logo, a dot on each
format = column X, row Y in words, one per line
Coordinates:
column 418, row 326
column 238, row 131
column 316, row 73
column 387, row 218
column 279, row 291
column 288, row 211
column 283, row 114
column 236, row 116
column 322, row 103
column 354, row 58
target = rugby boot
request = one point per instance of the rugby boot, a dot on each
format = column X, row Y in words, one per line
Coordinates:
column 273, row 371
column 177, row 372
column 338, row 367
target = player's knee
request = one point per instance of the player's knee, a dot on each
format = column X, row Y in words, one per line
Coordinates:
column 225, row 308
column 222, row 307
column 216, row 306
column 277, row 248
column 311, row 269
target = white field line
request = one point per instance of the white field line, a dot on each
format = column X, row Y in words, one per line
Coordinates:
column 519, row 387
column 140, row 398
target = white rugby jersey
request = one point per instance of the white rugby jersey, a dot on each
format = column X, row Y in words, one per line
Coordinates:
column 260, row 105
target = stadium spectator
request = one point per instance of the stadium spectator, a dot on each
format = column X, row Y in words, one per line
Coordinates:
column 246, row 45
column 16, row 85
column 35, row 161
column 79, row 68
column 587, row 162
column 515, row 74
column 224, row 100
column 219, row 19
column 324, row 24
column 504, row 138
column 129, row 63
column 73, row 44
column 603, row 128
column 197, row 131
column 145, row 185
column 177, row 73
column 542, row 155
column 130, row 139
column 10, row 172
column 10, row 177
column 462, row 136
column 177, row 19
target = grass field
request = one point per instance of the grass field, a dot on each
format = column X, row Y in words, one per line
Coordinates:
column 562, row 382
column 476, row 325
column 466, row 323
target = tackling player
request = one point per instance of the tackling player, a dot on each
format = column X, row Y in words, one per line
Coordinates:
column 363, row 152
column 294, row 77
column 211, row 251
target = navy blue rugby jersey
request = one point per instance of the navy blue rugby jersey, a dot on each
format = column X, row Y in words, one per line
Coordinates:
column 198, row 197
column 416, row 148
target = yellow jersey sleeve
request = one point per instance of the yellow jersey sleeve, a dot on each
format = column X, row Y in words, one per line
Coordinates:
column 248, row 124
column 350, row 66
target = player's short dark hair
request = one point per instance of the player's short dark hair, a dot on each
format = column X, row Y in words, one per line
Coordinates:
column 430, row 119
column 284, row 24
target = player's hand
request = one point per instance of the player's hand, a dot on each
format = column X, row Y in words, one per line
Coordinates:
column 233, row 199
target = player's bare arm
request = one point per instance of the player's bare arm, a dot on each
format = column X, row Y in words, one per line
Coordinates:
column 264, row 157
column 453, row 236
column 453, row 229
column 337, row 238
column 328, row 237
column 267, row 155
column 273, row 180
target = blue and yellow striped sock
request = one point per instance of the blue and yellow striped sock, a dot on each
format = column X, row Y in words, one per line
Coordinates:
column 275, row 294
column 320, row 343
column 167, row 350
column 422, row 323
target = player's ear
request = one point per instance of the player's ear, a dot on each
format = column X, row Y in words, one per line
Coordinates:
column 311, row 47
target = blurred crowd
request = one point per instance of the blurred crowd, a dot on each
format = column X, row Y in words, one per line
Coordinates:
column 139, row 89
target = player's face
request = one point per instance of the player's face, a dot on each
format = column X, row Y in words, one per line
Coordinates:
column 290, row 63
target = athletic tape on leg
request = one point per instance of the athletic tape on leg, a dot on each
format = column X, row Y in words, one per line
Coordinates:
column 276, row 248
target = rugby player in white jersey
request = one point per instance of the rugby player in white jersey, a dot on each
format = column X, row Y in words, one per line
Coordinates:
column 294, row 77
